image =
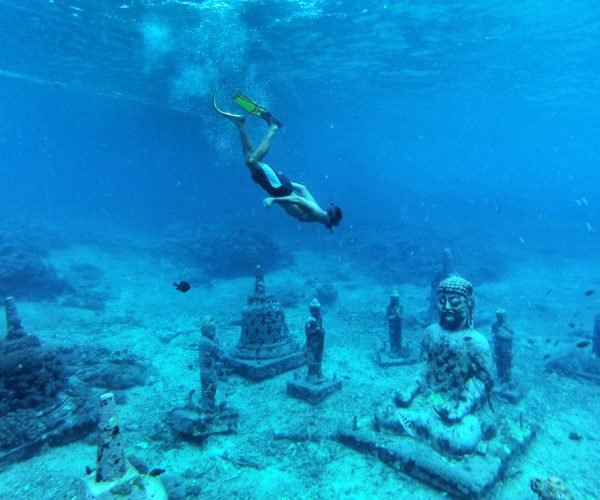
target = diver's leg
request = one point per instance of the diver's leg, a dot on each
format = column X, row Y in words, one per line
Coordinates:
column 264, row 146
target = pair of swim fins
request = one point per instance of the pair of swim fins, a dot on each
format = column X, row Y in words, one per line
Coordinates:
column 256, row 109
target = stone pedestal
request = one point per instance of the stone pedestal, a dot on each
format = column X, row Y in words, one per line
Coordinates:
column 313, row 393
column 265, row 348
column 193, row 423
column 404, row 357
column 469, row 476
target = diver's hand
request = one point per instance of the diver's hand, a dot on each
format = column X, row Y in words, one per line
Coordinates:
column 267, row 202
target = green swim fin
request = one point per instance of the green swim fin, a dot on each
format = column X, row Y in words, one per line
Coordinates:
column 256, row 109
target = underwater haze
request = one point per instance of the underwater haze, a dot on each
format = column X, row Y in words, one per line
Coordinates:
column 470, row 125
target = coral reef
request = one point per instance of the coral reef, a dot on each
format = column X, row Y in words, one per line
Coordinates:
column 228, row 254
column 25, row 274
column 101, row 367
column 327, row 294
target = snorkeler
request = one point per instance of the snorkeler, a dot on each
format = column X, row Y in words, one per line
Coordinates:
column 294, row 198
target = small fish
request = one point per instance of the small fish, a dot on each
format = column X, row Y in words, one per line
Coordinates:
column 549, row 291
column 582, row 344
column 156, row 472
column 182, row 286
column 546, row 356
column 589, row 292
column 406, row 424
column 571, row 324
column 89, row 470
column 467, row 338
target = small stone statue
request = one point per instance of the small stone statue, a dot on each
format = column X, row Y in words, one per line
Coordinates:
column 315, row 387
column 596, row 337
column 394, row 318
column 503, row 335
column 397, row 354
column 210, row 354
column 315, row 341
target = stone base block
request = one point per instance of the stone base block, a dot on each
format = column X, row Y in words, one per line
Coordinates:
column 266, row 368
column 313, row 393
column 133, row 486
column 386, row 358
column 468, row 476
column 195, row 424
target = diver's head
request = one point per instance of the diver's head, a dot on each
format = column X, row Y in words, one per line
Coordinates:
column 334, row 216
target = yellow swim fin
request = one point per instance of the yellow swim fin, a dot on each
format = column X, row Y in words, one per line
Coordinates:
column 256, row 109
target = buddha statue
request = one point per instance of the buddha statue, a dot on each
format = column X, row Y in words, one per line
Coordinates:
column 446, row 400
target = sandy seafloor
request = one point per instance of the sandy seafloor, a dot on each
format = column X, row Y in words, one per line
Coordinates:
column 143, row 308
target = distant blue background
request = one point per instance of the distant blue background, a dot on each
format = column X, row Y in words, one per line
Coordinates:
column 464, row 153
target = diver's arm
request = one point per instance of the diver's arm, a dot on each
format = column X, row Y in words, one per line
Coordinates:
column 303, row 192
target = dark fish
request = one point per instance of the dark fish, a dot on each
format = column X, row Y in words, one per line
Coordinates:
column 467, row 338
column 156, row 472
column 89, row 470
column 182, row 286
column 571, row 325
column 589, row 292
column 549, row 291
column 582, row 344
column 546, row 356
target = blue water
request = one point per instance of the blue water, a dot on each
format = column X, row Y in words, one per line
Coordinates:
column 420, row 111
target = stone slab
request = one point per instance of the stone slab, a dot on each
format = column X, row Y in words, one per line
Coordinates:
column 385, row 358
column 196, row 424
column 265, row 368
column 313, row 393
column 470, row 476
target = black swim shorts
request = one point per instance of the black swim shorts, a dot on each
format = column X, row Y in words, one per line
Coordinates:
column 276, row 184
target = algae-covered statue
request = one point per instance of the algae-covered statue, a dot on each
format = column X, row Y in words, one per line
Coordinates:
column 454, row 379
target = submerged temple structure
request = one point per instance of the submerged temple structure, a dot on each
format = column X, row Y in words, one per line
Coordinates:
column 265, row 348
column 440, row 428
column 39, row 404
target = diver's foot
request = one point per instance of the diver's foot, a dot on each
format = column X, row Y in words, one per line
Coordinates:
column 231, row 116
column 267, row 202
column 271, row 120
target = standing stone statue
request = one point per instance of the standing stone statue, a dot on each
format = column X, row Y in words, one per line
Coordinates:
column 197, row 421
column 396, row 354
column 315, row 342
column 210, row 353
column 596, row 337
column 394, row 318
column 315, row 387
column 503, row 336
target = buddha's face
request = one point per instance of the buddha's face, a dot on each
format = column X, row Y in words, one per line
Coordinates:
column 454, row 311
